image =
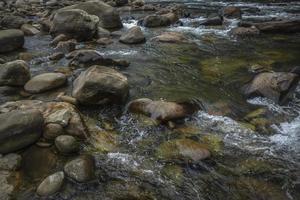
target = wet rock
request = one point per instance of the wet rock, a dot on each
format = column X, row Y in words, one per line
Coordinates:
column 161, row 110
column 105, row 41
column 29, row 30
column 182, row 150
column 172, row 17
column 66, row 46
column 137, row 3
column 53, row 130
column 19, row 129
column 56, row 56
column 45, row 82
column 61, row 113
column 156, row 21
column 170, row 37
column 51, row 184
column 134, row 35
column 284, row 26
column 231, row 12
column 10, row 40
column 100, row 85
column 59, row 38
column 12, row 21
column 107, row 15
column 66, row 144
column 102, row 33
column 15, row 73
column 277, row 86
column 6, row 189
column 81, row 169
column 74, row 23
column 10, row 162
column 243, row 31
column 215, row 21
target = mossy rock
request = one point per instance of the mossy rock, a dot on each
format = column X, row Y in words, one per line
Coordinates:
column 248, row 126
column 187, row 130
column 254, row 167
column 103, row 141
column 173, row 172
column 260, row 112
column 144, row 121
column 214, row 143
column 182, row 150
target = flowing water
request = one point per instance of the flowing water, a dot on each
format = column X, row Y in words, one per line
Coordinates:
column 247, row 162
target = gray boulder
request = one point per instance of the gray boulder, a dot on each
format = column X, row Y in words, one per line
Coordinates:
column 15, row 73
column 133, row 36
column 51, row 184
column 156, row 21
column 13, row 22
column 45, row 82
column 99, row 85
column 10, row 40
column 81, row 169
column 66, row 144
column 19, row 129
column 74, row 23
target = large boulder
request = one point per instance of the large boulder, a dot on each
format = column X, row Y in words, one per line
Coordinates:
column 133, row 36
column 156, row 21
column 19, row 129
column 45, row 82
column 12, row 21
column 74, row 23
column 10, row 40
column 162, row 110
column 108, row 17
column 81, row 169
column 15, row 73
column 277, row 86
column 283, row 26
column 100, row 85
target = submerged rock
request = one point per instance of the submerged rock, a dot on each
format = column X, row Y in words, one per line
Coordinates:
column 231, row 12
column 29, row 30
column 182, row 150
column 170, row 37
column 45, row 82
column 74, row 23
column 66, row 144
column 10, row 40
column 19, row 129
column 99, row 85
column 283, row 26
column 51, row 184
column 161, row 110
column 214, row 21
column 15, row 73
column 133, row 36
column 244, row 31
column 81, row 169
column 277, row 86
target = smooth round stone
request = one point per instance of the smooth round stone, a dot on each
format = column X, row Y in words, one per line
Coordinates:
column 45, row 82
column 81, row 169
column 53, row 130
column 51, row 184
column 66, row 144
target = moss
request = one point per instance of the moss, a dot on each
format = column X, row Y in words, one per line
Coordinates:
column 248, row 126
column 260, row 112
column 187, row 130
column 173, row 172
column 254, row 167
column 214, row 143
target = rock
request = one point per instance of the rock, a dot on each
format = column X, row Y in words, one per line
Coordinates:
column 29, row 30
column 61, row 113
column 108, row 17
column 173, row 18
column 182, row 150
column 66, row 144
column 170, row 37
column 6, row 189
column 52, row 130
column 51, row 184
column 156, row 21
column 215, row 21
column 10, row 40
column 59, row 38
column 74, row 23
column 137, row 3
column 15, row 73
column 133, row 36
column 45, row 82
column 10, row 162
column 284, row 26
column 56, row 56
column 19, row 129
column 81, row 169
column 13, row 22
column 231, row 12
column 244, row 32
column 120, row 3
column 161, row 110
column 99, row 85
column 277, row 86
column 66, row 46
column 105, row 41
column 102, row 33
